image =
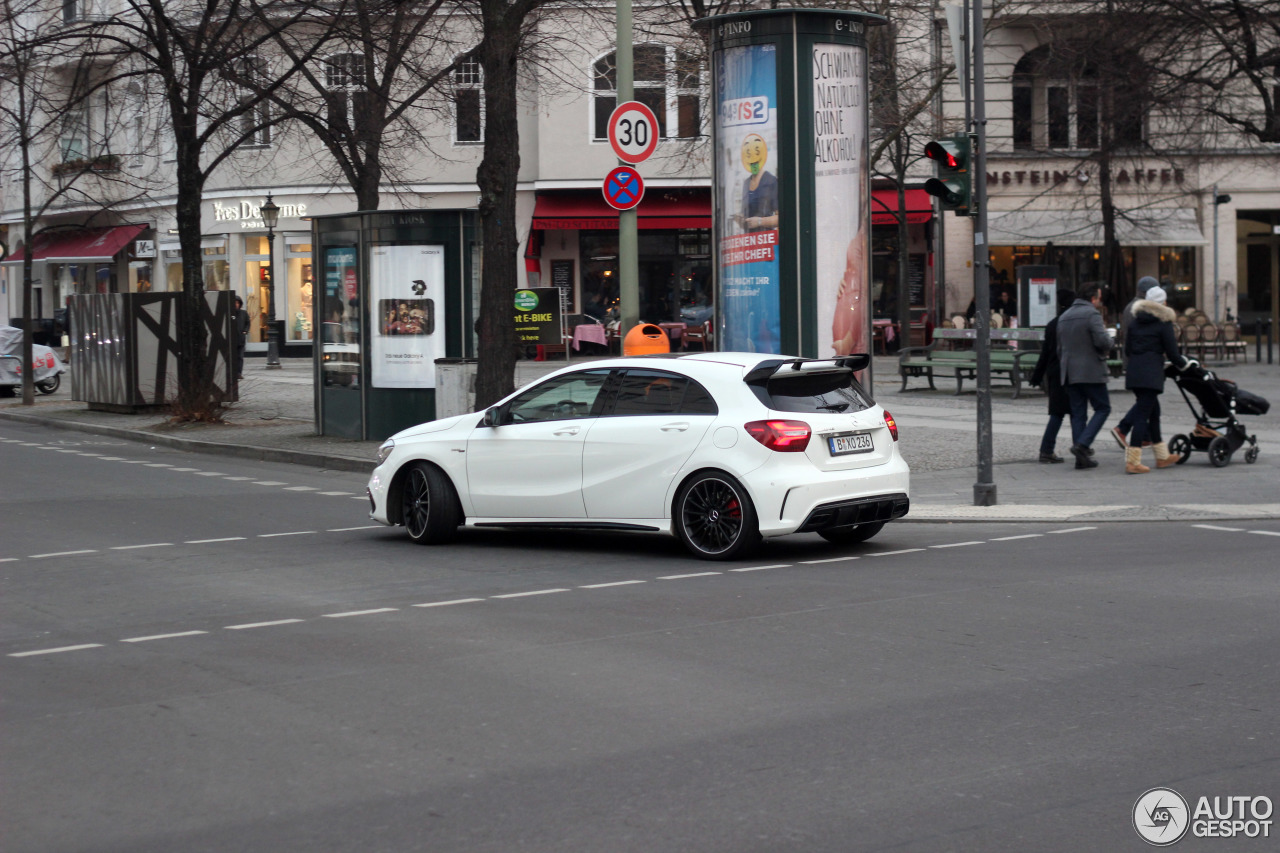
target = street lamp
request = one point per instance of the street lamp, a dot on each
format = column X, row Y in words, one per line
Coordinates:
column 1218, row 199
column 270, row 216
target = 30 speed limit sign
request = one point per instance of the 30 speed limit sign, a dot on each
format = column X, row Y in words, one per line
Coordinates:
column 633, row 132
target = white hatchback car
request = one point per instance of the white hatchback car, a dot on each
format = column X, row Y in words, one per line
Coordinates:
column 719, row 449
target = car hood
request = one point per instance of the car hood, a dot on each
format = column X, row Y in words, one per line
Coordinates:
column 470, row 419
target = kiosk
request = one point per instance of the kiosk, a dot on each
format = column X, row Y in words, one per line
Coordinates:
column 396, row 291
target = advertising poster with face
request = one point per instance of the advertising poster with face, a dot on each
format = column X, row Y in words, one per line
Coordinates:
column 841, row 198
column 747, row 225
column 407, row 292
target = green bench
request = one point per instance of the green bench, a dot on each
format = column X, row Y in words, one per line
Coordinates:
column 1016, row 364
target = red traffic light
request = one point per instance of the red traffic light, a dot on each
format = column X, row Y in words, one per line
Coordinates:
column 944, row 153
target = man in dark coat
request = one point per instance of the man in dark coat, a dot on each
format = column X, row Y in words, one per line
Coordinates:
column 1148, row 341
column 1083, row 347
column 1048, row 375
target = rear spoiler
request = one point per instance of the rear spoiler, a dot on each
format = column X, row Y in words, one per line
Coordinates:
column 769, row 369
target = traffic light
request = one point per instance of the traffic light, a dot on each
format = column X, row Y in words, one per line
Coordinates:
column 954, row 184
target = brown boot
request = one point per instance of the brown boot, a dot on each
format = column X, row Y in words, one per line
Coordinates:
column 1165, row 459
column 1133, row 461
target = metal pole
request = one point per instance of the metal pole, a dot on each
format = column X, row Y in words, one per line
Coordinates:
column 628, row 240
column 984, row 490
column 273, row 334
column 1216, row 315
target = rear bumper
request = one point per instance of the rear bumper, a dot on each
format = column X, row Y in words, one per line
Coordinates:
column 850, row 513
column 857, row 496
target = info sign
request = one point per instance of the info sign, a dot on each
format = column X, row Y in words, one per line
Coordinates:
column 623, row 188
column 538, row 316
column 633, row 132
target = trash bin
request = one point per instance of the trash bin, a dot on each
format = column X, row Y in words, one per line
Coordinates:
column 646, row 339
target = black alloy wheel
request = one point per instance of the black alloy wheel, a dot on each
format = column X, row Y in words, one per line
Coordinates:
column 715, row 518
column 429, row 505
column 852, row 535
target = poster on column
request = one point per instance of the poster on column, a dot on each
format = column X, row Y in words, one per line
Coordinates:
column 841, row 198
column 747, row 224
column 407, row 304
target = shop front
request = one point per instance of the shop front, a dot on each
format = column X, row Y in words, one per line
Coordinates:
column 886, row 259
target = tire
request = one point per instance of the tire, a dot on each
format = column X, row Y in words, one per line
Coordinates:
column 1181, row 445
column 852, row 535
column 1251, row 455
column 49, row 385
column 429, row 505
column 1220, row 452
column 714, row 517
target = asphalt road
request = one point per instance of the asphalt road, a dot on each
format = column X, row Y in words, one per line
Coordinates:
column 208, row 654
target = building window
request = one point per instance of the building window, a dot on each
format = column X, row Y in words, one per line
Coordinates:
column 71, row 11
column 346, row 93
column 468, row 101
column 1059, row 103
column 667, row 81
column 74, row 139
column 255, row 121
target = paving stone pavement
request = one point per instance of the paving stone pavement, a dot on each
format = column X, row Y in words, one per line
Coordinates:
column 275, row 421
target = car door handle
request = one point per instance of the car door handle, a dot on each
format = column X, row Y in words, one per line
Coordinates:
column 676, row 427
column 567, row 431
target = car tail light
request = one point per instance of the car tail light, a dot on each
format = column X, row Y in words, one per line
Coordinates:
column 892, row 425
column 782, row 436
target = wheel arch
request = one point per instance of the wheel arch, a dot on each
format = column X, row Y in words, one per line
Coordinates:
column 679, row 485
column 395, row 491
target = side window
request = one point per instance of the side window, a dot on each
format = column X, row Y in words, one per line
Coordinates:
column 562, row 398
column 655, row 392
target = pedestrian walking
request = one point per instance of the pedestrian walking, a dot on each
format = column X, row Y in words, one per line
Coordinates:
column 239, row 328
column 1120, row 432
column 1083, row 347
column 1047, row 374
column 1148, row 341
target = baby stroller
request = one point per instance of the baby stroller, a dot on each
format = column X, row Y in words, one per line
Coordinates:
column 1217, row 432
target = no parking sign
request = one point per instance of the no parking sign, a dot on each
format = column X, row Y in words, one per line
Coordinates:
column 623, row 188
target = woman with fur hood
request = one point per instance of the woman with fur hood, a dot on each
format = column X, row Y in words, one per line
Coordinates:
column 1148, row 341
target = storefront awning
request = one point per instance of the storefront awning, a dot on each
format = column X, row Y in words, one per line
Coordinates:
column 1163, row 227
column 93, row 244
column 884, row 207
column 588, row 210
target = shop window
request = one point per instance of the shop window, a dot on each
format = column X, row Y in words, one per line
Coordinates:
column 675, row 275
column 347, row 95
column 667, row 81
column 1059, row 103
column 298, row 288
column 468, row 101
column 257, row 285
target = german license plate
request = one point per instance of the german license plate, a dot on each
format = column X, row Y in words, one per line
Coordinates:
column 854, row 442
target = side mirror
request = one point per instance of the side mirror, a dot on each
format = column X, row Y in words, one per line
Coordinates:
column 492, row 417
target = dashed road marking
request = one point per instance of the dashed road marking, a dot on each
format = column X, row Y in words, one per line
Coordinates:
column 63, row 554
column 262, row 624
column 337, row 494
column 607, row 585
column 447, row 603
column 159, row 465
column 268, row 483
column 163, row 636
column 1265, row 532
column 1073, row 530
column 359, row 612
column 531, row 592
column 209, row 474
column 349, row 529
column 136, row 547
column 960, row 544
column 895, row 553
column 301, row 489
column 210, row 541
column 238, row 479
column 694, row 575
column 185, row 469
column 1023, row 536
column 829, row 560
column 762, row 568
column 58, row 650
column 1217, row 527
column 294, row 533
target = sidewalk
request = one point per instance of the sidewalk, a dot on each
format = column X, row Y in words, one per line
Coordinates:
column 274, row 422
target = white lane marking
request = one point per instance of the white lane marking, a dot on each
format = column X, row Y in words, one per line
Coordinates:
column 1073, row 530
column 159, row 465
column 1216, row 527
column 359, row 613
column 65, row 450
column 111, row 458
column 209, row 474
column 694, row 575
column 186, row 469
column 1022, row 536
column 63, row 554
column 1265, row 532
column 134, row 461
column 338, row 494
column 207, row 541
column 294, row 533
column 828, row 560
column 606, row 585
column 239, row 479
column 447, row 603
column 135, row 547
column 762, row 568
column 302, row 489
column 56, row 651
column 261, row 624
column 268, row 483
column 163, row 636
column 348, row 529
column 959, row 544
column 534, row 592
column 895, row 553
column 8, row 559
column 360, row 499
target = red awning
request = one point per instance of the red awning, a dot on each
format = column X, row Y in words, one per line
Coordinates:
column 884, row 207
column 588, row 210
column 93, row 244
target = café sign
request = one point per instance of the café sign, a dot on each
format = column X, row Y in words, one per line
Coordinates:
column 249, row 213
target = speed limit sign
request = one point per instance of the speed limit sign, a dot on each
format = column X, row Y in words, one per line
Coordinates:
column 633, row 132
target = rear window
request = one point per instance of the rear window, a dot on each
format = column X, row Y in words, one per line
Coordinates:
column 826, row 392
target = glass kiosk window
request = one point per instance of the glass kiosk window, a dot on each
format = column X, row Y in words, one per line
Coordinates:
column 340, row 331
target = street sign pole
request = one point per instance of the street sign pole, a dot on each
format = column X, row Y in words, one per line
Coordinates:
column 984, row 490
column 628, row 239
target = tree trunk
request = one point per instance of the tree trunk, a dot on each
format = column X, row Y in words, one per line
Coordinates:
column 497, row 176
column 195, row 381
